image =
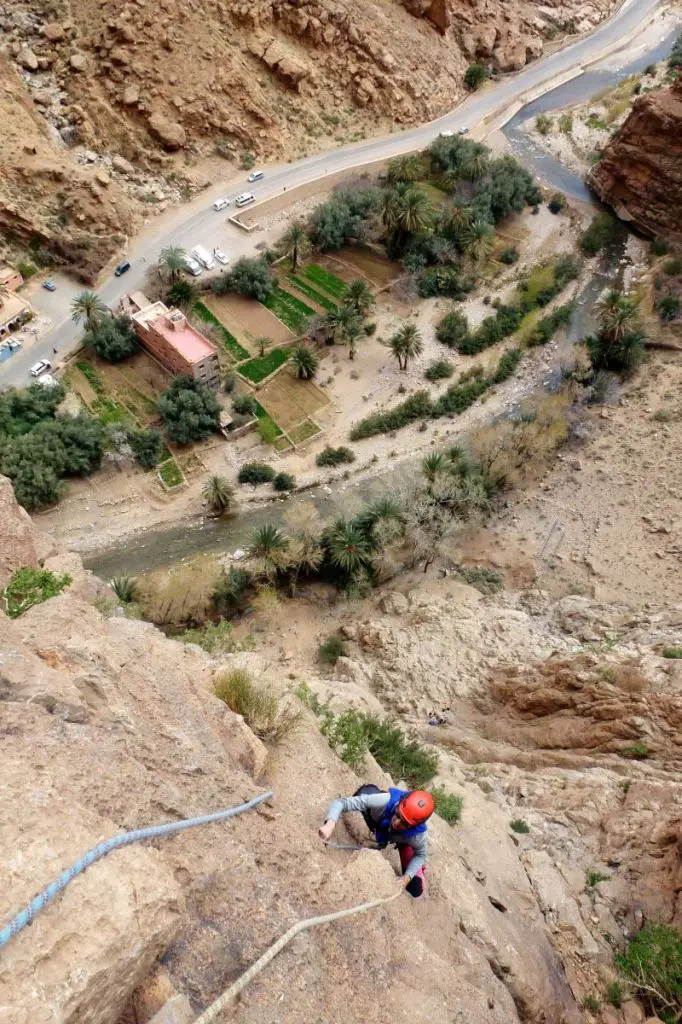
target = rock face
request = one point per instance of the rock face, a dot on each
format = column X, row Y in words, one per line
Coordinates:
column 640, row 172
column 22, row 544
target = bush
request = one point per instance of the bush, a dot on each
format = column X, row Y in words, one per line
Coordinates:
column 488, row 581
column 668, row 308
column 28, row 587
column 331, row 650
column 566, row 124
column 416, row 407
column 335, row 456
column 403, row 757
column 256, row 473
column 439, row 370
column 113, row 339
column 189, row 410
column 591, row 1003
column 147, row 446
column 284, row 482
column 215, row 638
column 546, row 328
column 452, row 329
column 260, row 709
column 125, row 588
column 639, row 751
column 342, row 219
column 614, row 994
column 557, row 203
column 673, row 267
column 672, row 652
column 27, row 270
column 230, row 590
column 621, row 356
column 509, row 255
column 244, row 405
column 475, row 75
column 652, row 963
column 604, row 230
column 659, row 246
column 447, row 281
column 252, row 278
column 448, row 806
column 544, row 124
column 520, row 826
column 593, row 878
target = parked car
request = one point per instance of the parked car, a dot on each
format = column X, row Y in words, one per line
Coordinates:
column 463, row 130
column 221, row 204
column 40, row 367
column 122, row 268
column 13, row 345
column 255, row 176
column 244, row 198
column 192, row 266
column 445, row 134
column 49, row 286
column 220, row 256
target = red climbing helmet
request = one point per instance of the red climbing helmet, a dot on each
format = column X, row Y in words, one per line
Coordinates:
column 416, row 807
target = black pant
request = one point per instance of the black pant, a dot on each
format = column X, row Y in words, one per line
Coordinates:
column 416, row 886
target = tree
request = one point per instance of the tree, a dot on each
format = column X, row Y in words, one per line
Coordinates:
column 475, row 162
column 618, row 315
column 113, row 339
column 479, row 240
column 182, row 293
column 475, row 75
column 189, row 410
column 81, row 438
column 455, row 218
column 305, row 362
column 218, row 493
column 89, row 307
column 621, row 355
column 147, row 446
column 253, row 278
column 296, row 242
column 268, row 546
column 428, row 522
column 256, row 473
column 452, row 329
column 230, row 590
column 415, row 212
column 406, row 343
column 345, row 327
column 305, row 548
column 405, row 168
column 348, row 547
column 359, row 297
column 172, row 261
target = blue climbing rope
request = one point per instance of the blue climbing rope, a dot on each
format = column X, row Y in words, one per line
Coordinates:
column 26, row 916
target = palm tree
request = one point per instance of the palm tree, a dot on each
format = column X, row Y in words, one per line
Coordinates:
column 455, row 218
column 295, row 241
column 268, row 545
column 405, row 168
column 359, row 297
column 183, row 293
column 125, row 588
column 218, row 493
column 406, row 343
column 89, row 307
column 479, row 240
column 172, row 260
column 348, row 547
column 475, row 163
column 305, row 362
column 415, row 212
column 381, row 521
column 392, row 200
column 345, row 326
column 618, row 315
column 433, row 464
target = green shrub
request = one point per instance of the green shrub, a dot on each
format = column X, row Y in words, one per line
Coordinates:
column 439, row 370
column 668, row 308
column 216, row 638
column 509, row 255
column 488, row 581
column 256, row 473
column 544, row 124
column 125, row 588
column 520, row 826
column 604, row 230
column 416, row 407
column 260, row 709
column 353, row 733
column 591, row 1003
column 231, row 590
column 652, row 963
column 557, row 203
column 26, row 269
column 446, row 281
column 28, row 587
column 284, row 482
column 614, row 994
column 566, row 124
column 659, row 246
column 475, row 75
column 448, row 806
column 189, row 410
column 452, row 329
column 507, row 365
column 639, row 751
column 672, row 652
column 673, row 266
column 244, row 405
column 335, row 456
column 593, row 878
column 331, row 650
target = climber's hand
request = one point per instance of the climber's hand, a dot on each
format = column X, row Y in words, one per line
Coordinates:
column 325, row 832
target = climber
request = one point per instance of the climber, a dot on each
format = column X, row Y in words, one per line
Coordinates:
column 398, row 817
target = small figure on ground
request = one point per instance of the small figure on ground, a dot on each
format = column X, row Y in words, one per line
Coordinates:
column 398, row 818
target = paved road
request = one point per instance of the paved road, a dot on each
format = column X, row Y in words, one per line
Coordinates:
column 197, row 223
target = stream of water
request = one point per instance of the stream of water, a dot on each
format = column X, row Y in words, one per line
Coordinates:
column 156, row 548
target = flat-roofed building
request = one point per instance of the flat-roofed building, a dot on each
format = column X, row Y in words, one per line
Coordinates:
column 10, row 278
column 14, row 311
column 168, row 336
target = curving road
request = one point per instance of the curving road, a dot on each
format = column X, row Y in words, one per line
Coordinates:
column 198, row 224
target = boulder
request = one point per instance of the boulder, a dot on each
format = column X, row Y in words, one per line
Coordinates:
column 54, row 32
column 78, row 61
column 28, row 59
column 169, row 133
column 131, row 95
column 122, row 165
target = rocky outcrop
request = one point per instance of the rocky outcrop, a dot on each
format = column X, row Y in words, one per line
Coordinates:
column 22, row 543
column 640, row 171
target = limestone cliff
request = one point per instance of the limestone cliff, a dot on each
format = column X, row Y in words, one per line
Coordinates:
column 640, row 171
column 107, row 724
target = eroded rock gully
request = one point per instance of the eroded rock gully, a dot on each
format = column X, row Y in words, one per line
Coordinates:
column 150, row 85
column 106, row 724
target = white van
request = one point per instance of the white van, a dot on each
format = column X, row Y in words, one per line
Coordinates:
column 255, row 176
column 244, row 198
column 203, row 256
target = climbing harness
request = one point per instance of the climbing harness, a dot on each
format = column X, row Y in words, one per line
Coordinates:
column 311, row 922
column 26, row 916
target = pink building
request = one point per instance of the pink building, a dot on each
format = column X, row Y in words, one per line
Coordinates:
column 10, row 279
column 168, row 336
